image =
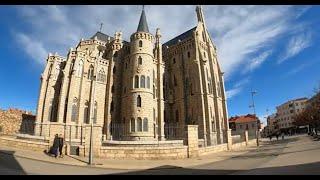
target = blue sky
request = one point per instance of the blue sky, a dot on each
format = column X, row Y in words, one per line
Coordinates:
column 272, row 49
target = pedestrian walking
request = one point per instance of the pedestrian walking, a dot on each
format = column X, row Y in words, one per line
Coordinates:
column 282, row 136
column 55, row 146
column 61, row 143
column 277, row 135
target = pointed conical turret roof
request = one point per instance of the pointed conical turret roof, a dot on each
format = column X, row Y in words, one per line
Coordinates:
column 143, row 25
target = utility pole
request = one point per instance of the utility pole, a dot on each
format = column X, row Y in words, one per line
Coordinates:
column 254, row 112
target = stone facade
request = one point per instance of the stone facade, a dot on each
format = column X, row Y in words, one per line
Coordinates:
column 15, row 121
column 141, row 90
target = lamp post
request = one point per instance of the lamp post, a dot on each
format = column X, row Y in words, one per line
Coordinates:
column 254, row 112
column 92, row 115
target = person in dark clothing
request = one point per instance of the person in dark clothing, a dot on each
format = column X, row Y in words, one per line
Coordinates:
column 55, row 146
column 277, row 135
column 61, row 142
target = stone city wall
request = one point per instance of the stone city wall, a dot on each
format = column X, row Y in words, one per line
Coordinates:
column 152, row 153
column 14, row 121
column 24, row 144
column 213, row 149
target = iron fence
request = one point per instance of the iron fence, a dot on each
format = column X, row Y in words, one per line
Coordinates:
column 173, row 131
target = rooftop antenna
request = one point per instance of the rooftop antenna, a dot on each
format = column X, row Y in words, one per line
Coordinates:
column 101, row 27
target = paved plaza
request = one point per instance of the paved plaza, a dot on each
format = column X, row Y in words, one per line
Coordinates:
column 293, row 155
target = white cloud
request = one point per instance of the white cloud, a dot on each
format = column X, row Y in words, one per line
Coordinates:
column 298, row 69
column 33, row 48
column 238, row 31
column 237, row 87
column 233, row 92
column 256, row 62
column 242, row 82
column 295, row 46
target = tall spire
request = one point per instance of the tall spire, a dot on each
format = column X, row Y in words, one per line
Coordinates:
column 143, row 25
column 200, row 14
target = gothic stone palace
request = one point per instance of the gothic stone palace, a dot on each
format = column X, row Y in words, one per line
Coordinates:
column 135, row 91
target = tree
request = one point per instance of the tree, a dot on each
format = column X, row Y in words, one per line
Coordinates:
column 311, row 115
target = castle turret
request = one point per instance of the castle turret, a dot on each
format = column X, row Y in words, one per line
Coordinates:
column 140, row 102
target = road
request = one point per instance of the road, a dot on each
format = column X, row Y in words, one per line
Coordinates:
column 294, row 155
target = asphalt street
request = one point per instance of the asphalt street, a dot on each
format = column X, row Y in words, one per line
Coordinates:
column 293, row 155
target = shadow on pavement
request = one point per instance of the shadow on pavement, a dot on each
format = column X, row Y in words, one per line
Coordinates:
column 9, row 165
column 301, row 169
column 175, row 170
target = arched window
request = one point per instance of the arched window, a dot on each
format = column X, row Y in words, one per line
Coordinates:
column 188, row 54
column 139, row 124
column 95, row 112
column 174, row 80
column 142, row 82
column 101, row 75
column 204, row 54
column 71, row 67
column 212, row 126
column 111, row 106
column 80, row 68
column 174, row 60
column 136, row 81
column 133, row 125
column 140, row 43
column 148, row 82
column 154, row 115
column 145, row 124
column 138, row 101
column 140, row 60
column 86, row 113
column 114, row 70
column 90, row 72
column 74, row 111
column 177, row 116
column 154, row 92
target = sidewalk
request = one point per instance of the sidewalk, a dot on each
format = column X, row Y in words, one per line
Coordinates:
column 124, row 164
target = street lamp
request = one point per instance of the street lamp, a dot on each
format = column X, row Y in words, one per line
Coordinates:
column 254, row 112
column 92, row 114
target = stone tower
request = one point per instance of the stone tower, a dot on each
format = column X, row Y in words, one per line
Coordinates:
column 140, row 77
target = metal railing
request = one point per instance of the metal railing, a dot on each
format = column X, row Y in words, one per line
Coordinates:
column 173, row 131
